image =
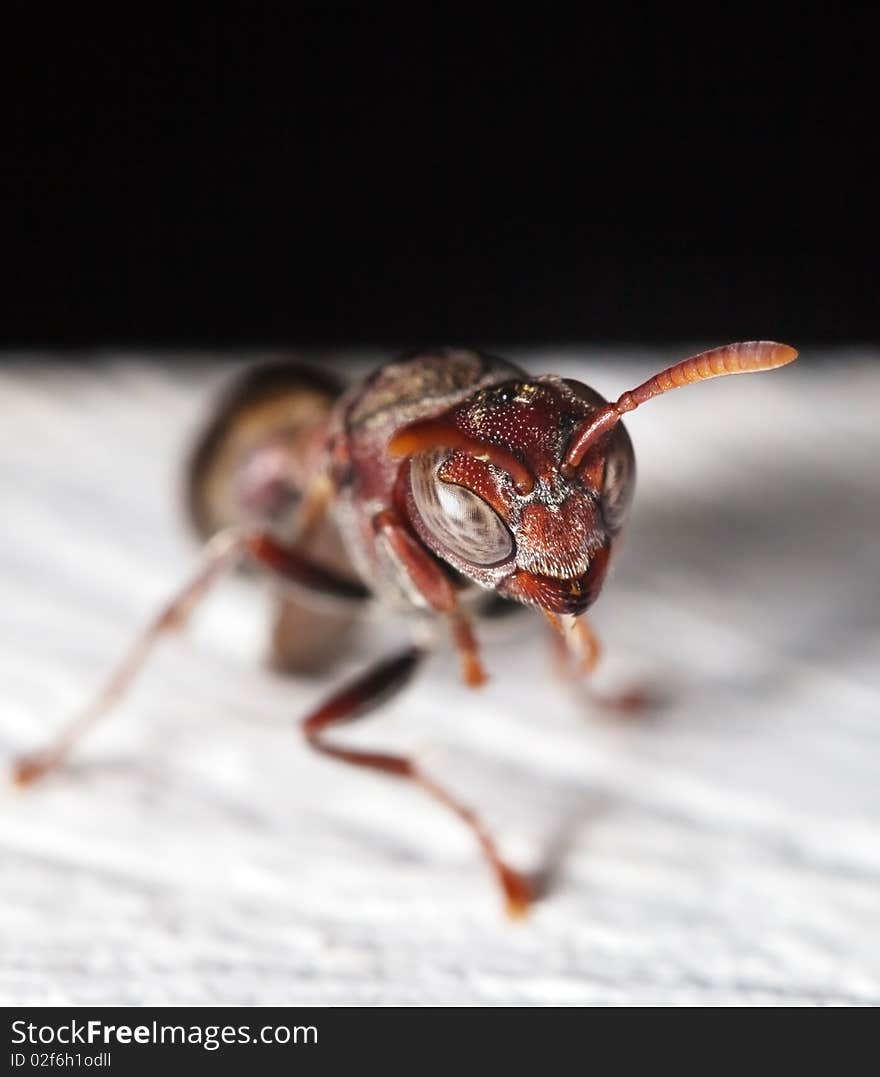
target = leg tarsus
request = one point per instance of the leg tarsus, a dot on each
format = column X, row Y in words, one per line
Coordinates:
column 518, row 894
column 576, row 646
column 577, row 652
column 220, row 553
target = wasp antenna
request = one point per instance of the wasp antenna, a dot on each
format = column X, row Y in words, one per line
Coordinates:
column 743, row 358
column 426, row 434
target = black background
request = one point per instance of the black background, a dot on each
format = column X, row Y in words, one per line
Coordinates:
column 331, row 178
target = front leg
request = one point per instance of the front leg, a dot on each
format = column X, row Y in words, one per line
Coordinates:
column 577, row 652
column 431, row 584
column 578, row 644
column 361, row 696
column 220, row 555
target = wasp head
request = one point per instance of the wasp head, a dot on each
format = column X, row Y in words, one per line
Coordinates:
column 487, row 490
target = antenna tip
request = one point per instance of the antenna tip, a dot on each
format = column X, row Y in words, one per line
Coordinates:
column 777, row 354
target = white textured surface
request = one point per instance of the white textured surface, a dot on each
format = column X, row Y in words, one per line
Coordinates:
column 724, row 851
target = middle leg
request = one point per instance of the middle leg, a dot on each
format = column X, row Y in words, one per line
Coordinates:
column 363, row 695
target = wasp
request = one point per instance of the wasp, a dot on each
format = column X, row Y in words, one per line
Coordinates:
column 445, row 481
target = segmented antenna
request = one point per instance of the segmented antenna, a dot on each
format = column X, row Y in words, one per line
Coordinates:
column 731, row 359
column 426, row 434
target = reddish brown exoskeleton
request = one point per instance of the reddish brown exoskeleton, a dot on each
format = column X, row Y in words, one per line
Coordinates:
column 443, row 480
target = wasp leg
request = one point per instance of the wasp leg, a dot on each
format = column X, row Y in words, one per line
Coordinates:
column 290, row 564
column 580, row 646
column 220, row 555
column 428, row 581
column 308, row 636
column 363, row 695
column 577, row 652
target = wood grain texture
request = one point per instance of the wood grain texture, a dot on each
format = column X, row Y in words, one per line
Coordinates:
column 724, row 851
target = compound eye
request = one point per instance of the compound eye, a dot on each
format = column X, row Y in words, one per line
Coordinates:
column 461, row 521
column 619, row 479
